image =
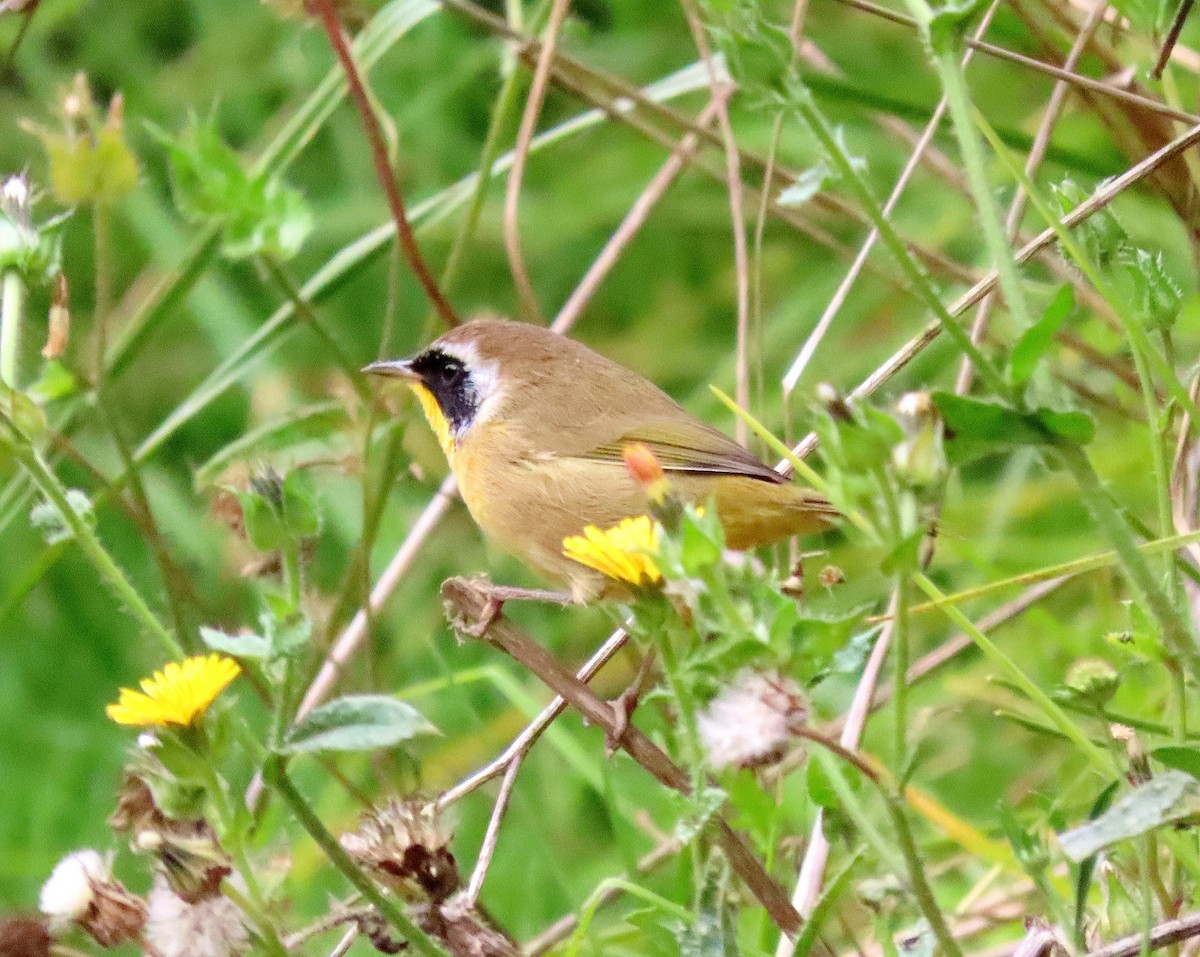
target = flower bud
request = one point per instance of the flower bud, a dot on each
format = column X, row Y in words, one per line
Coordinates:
column 59, row 325
column 1094, row 680
column 920, row 459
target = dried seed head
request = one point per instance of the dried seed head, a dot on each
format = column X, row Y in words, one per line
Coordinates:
column 212, row 927
column 81, row 890
column 24, row 937
column 750, row 722
column 465, row 932
column 191, row 859
column 1135, row 751
column 406, row 846
column 831, row 575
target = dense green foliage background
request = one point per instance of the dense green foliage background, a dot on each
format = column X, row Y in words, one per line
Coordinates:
column 667, row 310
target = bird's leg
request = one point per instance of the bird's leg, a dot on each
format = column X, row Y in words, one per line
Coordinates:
column 495, row 597
column 623, row 705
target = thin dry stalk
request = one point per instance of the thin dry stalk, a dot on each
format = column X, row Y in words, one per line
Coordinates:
column 838, row 299
column 327, row 11
column 536, row 728
column 488, row 848
column 733, row 176
column 470, row 605
column 812, row 867
column 1037, row 153
column 512, row 194
column 1075, row 79
column 1107, row 192
column 638, row 213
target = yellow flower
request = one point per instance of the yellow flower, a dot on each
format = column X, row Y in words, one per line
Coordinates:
column 624, row 552
column 178, row 694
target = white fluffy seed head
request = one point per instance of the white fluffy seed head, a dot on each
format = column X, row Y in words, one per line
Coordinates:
column 70, row 890
column 750, row 722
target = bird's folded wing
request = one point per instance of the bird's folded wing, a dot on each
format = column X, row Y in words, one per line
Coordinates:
column 683, row 446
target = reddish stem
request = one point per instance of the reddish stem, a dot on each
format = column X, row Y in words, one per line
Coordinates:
column 383, row 168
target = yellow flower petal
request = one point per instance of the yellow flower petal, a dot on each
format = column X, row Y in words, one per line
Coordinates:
column 178, row 694
column 624, row 552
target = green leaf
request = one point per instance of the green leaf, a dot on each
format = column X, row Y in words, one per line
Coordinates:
column 256, row 214
column 949, row 23
column 820, row 790
column 1168, row 798
column 1103, row 235
column 906, row 555
column 301, row 516
column 987, row 423
column 356, row 723
column 975, row 427
column 1075, row 427
column 806, row 185
column 47, row 519
column 98, row 167
column 286, row 639
column 696, row 811
column 246, row 645
column 1088, row 866
column 713, row 932
column 1156, row 296
column 314, row 422
column 1035, row 340
column 264, row 525
column 1028, row 848
column 1180, row 758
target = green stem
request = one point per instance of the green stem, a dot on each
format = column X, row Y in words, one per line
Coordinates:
column 420, row 941
column 1175, row 630
column 958, row 104
column 1051, row 710
column 916, row 875
column 271, row 942
column 900, row 655
column 12, row 310
column 900, row 624
column 101, row 222
column 110, row 572
column 1158, row 460
column 807, row 108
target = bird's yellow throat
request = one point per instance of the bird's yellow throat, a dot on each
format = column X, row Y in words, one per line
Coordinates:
column 437, row 421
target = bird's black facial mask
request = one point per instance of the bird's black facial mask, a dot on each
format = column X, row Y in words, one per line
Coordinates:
column 449, row 380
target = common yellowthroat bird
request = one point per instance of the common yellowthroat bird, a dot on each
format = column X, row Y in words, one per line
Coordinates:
column 534, row 426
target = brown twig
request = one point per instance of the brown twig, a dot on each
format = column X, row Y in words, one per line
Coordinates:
column 1097, row 201
column 470, row 604
column 1164, row 55
column 488, row 848
column 1037, row 152
column 1003, row 53
column 326, row 10
column 512, row 193
column 537, row 727
column 1162, row 935
column 638, row 213
column 838, row 299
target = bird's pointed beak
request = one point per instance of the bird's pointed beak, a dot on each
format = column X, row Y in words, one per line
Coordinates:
column 393, row 369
